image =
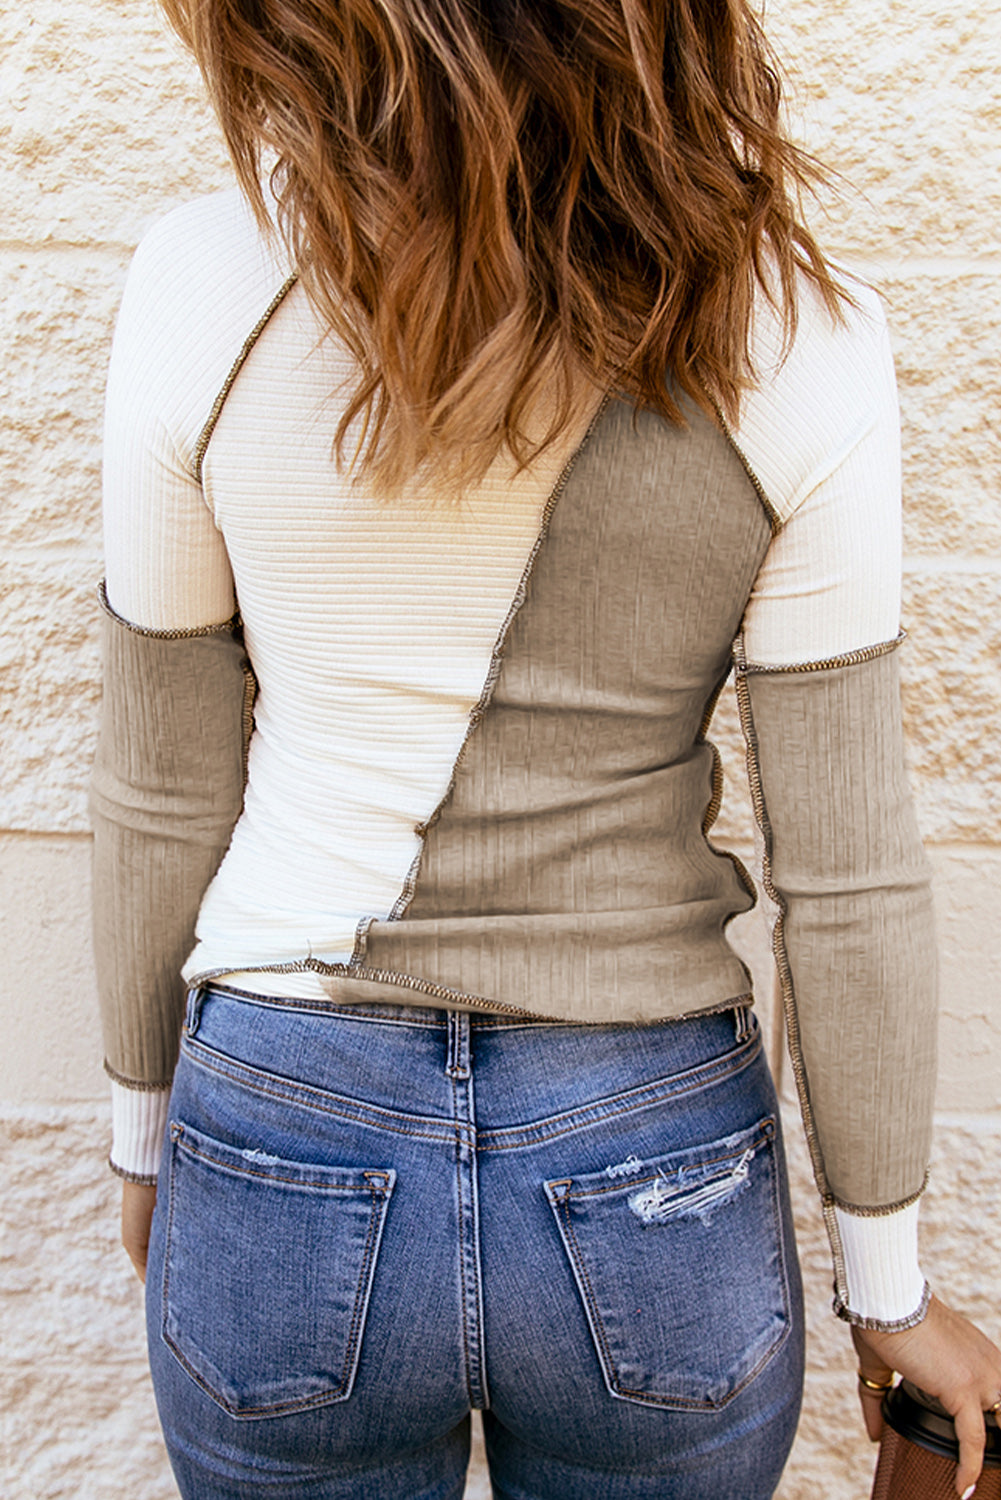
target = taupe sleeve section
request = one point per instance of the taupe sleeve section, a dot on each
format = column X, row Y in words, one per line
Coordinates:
column 854, row 939
column 166, row 790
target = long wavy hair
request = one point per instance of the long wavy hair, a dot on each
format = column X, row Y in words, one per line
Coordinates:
column 496, row 201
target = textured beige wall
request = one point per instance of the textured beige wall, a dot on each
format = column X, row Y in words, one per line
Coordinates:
column 102, row 129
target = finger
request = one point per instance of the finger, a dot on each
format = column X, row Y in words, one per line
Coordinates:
column 869, row 1363
column 139, row 1266
column 872, row 1413
column 972, row 1438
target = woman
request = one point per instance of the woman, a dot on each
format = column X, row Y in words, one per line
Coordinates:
column 542, row 405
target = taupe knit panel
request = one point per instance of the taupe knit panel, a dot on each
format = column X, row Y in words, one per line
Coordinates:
column 166, row 790
column 567, row 872
column 858, row 934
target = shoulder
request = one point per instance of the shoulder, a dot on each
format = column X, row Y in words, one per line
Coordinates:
column 819, row 397
column 199, row 282
column 209, row 253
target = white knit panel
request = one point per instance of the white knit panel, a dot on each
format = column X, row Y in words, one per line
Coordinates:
column 371, row 625
column 883, row 1277
column 822, row 435
column 197, row 285
column 138, row 1120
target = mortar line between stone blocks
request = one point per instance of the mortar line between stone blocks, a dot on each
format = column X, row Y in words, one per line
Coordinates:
column 980, row 567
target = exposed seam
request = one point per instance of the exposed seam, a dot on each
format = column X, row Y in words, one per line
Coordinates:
column 883, row 1325
column 826, row 664
column 775, row 521
column 144, row 1179
column 782, row 958
column 138, row 1085
column 881, row 1210
column 716, row 802
column 481, row 705
column 350, row 970
column 398, row 1014
column 786, row 986
column 462, row 1230
column 205, row 436
column 247, row 712
column 163, row 635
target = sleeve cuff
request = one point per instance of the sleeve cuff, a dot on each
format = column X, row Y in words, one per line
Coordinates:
column 883, row 1287
column 138, row 1120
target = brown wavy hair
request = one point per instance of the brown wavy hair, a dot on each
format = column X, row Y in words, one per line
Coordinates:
column 493, row 201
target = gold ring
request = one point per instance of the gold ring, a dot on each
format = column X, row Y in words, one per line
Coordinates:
column 881, row 1387
column 996, row 1407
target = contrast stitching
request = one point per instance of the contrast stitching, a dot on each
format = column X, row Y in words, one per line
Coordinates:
column 483, row 1019
column 532, row 1135
column 856, row 1211
column 480, row 707
column 239, row 1170
column 883, row 1325
column 647, row 1397
column 459, row 1128
column 703, row 1075
column 775, row 521
column 510, row 1138
column 163, row 635
column 377, row 1210
column 247, row 713
column 459, row 998
column 716, row 800
column 205, row 436
column 144, row 1179
column 137, row 1086
column 784, row 970
column 304, row 1096
column 824, row 664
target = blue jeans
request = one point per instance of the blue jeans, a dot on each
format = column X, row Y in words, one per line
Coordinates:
column 372, row 1219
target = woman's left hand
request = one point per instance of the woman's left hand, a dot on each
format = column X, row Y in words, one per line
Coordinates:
column 947, row 1356
column 138, row 1202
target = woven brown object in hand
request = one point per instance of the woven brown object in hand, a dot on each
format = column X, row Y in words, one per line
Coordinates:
column 918, row 1451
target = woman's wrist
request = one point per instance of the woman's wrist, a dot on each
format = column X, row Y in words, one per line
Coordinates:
column 880, row 1285
column 138, row 1120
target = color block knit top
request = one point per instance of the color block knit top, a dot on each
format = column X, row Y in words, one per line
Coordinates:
column 459, row 756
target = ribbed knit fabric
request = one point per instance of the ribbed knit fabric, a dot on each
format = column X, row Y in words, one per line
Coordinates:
column 402, row 647
column 138, row 1121
column 881, row 1263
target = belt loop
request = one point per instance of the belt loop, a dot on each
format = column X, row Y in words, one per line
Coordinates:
column 743, row 1022
column 458, row 1065
column 193, row 1011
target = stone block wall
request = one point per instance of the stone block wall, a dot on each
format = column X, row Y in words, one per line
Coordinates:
column 103, row 127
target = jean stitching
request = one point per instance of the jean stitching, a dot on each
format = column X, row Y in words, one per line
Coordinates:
column 678, row 1402
column 712, row 1161
column 379, row 1200
column 358, row 1311
column 596, row 1114
column 521, row 1137
column 461, row 1258
column 299, row 1094
column 240, row 1171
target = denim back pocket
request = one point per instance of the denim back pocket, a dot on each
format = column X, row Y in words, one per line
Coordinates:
column 680, row 1265
column 267, row 1273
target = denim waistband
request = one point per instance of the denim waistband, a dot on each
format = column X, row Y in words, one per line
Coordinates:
column 738, row 1015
